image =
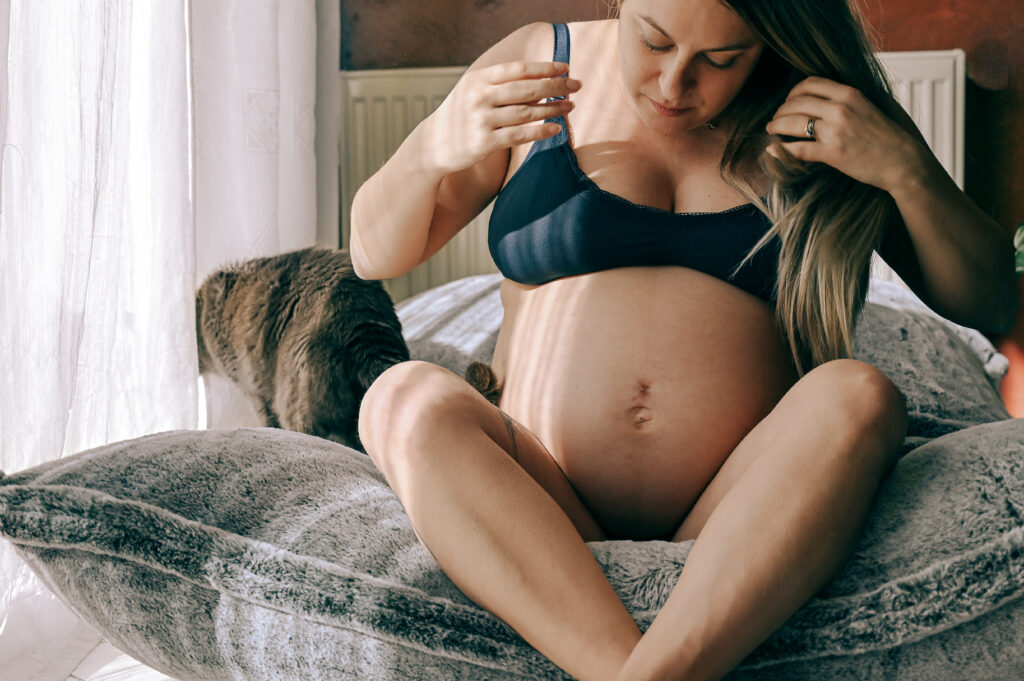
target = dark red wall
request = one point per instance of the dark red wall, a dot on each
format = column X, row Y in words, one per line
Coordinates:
column 992, row 34
column 397, row 33
column 380, row 34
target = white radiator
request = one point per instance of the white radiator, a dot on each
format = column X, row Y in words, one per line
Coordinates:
column 380, row 108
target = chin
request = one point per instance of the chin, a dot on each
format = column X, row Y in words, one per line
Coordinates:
column 683, row 123
column 690, row 119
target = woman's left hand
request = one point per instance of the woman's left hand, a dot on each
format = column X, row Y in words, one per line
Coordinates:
column 850, row 133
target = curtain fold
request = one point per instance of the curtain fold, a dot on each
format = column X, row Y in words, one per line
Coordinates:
column 254, row 89
column 254, row 86
column 145, row 143
column 97, row 261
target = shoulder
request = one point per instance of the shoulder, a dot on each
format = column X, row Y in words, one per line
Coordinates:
column 532, row 42
column 536, row 42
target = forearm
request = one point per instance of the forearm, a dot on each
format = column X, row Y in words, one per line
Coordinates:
column 392, row 211
column 966, row 259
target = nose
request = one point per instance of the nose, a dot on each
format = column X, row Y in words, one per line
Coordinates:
column 676, row 78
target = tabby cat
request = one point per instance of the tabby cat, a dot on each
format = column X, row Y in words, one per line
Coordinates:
column 302, row 336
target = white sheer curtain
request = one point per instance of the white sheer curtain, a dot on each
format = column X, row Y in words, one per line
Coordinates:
column 255, row 86
column 114, row 204
column 96, row 260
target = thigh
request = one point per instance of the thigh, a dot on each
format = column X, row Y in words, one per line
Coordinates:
column 841, row 408
column 531, row 454
column 431, row 396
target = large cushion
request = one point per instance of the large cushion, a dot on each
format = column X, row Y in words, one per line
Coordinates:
column 264, row 554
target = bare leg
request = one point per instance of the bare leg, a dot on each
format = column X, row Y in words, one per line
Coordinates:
column 777, row 521
column 494, row 529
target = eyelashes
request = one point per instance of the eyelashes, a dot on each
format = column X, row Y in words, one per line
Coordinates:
column 653, row 48
column 721, row 66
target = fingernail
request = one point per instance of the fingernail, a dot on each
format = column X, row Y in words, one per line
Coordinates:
column 573, row 85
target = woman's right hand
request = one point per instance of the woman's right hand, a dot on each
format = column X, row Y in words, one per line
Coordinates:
column 497, row 108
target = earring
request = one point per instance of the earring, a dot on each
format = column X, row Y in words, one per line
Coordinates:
column 710, row 125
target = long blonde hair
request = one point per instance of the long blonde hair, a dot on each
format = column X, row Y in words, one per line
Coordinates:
column 827, row 223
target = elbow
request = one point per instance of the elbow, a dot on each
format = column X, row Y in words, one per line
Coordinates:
column 362, row 263
column 366, row 266
column 993, row 314
column 1007, row 310
column 998, row 308
column 355, row 254
column 360, row 266
column 360, row 271
column 1007, row 299
column 997, row 313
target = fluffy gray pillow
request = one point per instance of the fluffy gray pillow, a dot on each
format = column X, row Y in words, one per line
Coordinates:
column 265, row 554
column 950, row 374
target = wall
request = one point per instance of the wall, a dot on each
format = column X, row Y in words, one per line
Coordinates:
column 378, row 34
column 395, row 33
column 989, row 31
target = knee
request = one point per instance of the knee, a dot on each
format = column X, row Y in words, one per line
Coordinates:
column 865, row 400
column 402, row 403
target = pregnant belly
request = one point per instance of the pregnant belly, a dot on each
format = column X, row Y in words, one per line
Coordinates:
column 640, row 381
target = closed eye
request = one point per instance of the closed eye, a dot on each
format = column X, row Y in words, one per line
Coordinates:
column 722, row 66
column 652, row 47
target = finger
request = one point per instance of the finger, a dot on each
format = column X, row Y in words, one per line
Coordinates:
column 823, row 88
column 534, row 90
column 518, row 114
column 524, row 134
column 519, row 70
column 802, row 151
column 795, row 125
column 807, row 105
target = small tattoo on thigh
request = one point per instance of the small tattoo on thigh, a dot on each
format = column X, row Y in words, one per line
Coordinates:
column 511, row 434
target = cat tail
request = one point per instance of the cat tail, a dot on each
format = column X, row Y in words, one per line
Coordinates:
column 481, row 376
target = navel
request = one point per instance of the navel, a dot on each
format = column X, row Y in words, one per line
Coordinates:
column 641, row 416
column 639, row 412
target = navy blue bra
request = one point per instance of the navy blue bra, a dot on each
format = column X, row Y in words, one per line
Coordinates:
column 551, row 220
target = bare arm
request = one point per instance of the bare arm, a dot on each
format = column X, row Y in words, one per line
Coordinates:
column 393, row 213
column 964, row 258
column 956, row 258
column 450, row 167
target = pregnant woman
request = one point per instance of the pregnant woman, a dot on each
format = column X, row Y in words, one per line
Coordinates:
column 688, row 195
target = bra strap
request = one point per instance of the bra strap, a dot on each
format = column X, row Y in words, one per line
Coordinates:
column 561, row 53
column 561, row 43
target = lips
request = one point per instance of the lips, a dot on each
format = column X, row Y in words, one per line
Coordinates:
column 667, row 110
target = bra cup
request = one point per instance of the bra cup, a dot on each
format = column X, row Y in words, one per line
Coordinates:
column 551, row 220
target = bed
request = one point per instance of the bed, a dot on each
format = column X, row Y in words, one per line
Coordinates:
column 254, row 554
column 262, row 554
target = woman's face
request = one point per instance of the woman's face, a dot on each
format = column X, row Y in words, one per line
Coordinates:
column 683, row 61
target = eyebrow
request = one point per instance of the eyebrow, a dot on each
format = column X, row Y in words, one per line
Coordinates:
column 725, row 48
